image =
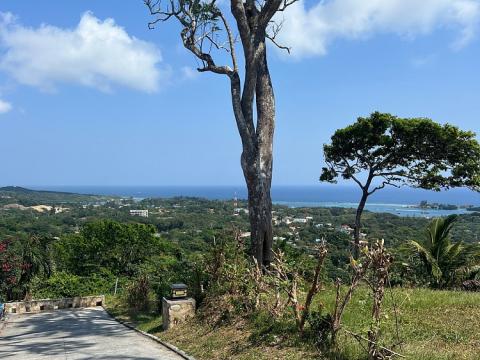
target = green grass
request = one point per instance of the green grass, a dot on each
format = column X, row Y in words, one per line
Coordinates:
column 432, row 325
column 148, row 321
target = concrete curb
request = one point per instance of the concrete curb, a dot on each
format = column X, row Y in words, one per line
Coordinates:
column 152, row 337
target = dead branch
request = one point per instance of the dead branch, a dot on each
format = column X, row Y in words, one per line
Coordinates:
column 340, row 305
column 315, row 286
column 358, row 336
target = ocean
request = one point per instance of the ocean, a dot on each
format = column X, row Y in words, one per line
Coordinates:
column 391, row 200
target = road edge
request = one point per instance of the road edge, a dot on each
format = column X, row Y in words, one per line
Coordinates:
column 152, row 337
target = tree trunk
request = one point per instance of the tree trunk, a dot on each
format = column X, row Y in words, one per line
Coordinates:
column 260, row 212
column 257, row 164
column 358, row 224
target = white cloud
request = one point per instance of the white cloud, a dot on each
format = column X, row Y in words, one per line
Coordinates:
column 189, row 73
column 5, row 106
column 96, row 53
column 309, row 31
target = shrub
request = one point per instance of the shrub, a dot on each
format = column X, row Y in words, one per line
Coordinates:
column 137, row 294
column 471, row 285
column 63, row 284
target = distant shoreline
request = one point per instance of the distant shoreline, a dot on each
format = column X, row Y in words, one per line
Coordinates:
column 403, row 210
column 403, row 202
column 302, row 194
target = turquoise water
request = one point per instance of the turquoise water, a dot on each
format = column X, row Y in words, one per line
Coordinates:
column 400, row 202
column 404, row 210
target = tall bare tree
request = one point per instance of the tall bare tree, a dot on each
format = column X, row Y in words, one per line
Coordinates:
column 206, row 30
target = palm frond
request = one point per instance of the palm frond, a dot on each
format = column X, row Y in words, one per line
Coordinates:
column 427, row 257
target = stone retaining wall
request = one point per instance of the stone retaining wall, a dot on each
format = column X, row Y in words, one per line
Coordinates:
column 36, row 306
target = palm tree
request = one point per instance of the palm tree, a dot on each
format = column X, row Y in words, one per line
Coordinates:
column 35, row 260
column 440, row 256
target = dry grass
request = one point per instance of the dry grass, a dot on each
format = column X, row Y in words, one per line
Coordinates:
column 433, row 325
column 229, row 342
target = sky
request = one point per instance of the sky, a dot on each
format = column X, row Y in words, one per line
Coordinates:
column 90, row 96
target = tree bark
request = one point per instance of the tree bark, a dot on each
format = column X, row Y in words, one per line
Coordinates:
column 358, row 223
column 259, row 173
column 257, row 164
column 260, row 212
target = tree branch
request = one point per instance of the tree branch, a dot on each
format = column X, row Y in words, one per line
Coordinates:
column 231, row 42
column 276, row 28
column 384, row 183
column 350, row 167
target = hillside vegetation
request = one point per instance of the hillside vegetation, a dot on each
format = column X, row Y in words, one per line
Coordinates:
column 433, row 325
column 250, row 312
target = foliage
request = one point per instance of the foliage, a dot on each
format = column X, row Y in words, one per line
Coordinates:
column 22, row 259
column 27, row 197
column 286, row 280
column 8, row 271
column 137, row 294
column 392, row 151
column 450, row 331
column 106, row 244
column 62, row 284
column 439, row 255
column 416, row 152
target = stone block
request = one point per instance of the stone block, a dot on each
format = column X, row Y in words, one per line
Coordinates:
column 36, row 306
column 176, row 311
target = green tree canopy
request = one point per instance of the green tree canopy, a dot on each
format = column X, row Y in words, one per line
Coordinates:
column 418, row 152
column 106, row 244
column 384, row 150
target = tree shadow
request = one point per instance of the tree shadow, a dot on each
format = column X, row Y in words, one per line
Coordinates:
column 78, row 333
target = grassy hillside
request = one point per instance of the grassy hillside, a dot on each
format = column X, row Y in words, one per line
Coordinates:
column 433, row 325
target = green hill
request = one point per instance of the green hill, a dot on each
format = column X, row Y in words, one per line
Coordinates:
column 29, row 197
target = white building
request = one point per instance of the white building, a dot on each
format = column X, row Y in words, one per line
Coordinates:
column 300, row 220
column 240, row 210
column 142, row 213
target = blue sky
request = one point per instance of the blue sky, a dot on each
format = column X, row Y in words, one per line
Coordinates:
column 113, row 103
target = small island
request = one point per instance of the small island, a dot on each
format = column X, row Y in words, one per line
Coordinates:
column 424, row 204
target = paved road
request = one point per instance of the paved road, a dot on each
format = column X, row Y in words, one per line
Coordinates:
column 74, row 335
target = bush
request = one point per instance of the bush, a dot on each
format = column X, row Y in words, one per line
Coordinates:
column 63, row 284
column 137, row 294
column 320, row 328
column 471, row 285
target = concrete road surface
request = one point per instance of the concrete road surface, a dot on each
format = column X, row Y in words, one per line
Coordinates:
column 76, row 334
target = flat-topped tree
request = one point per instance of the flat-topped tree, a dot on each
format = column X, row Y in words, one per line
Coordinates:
column 205, row 30
column 384, row 150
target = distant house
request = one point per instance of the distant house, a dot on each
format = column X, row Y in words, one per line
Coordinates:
column 346, row 229
column 300, row 220
column 240, row 210
column 142, row 213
